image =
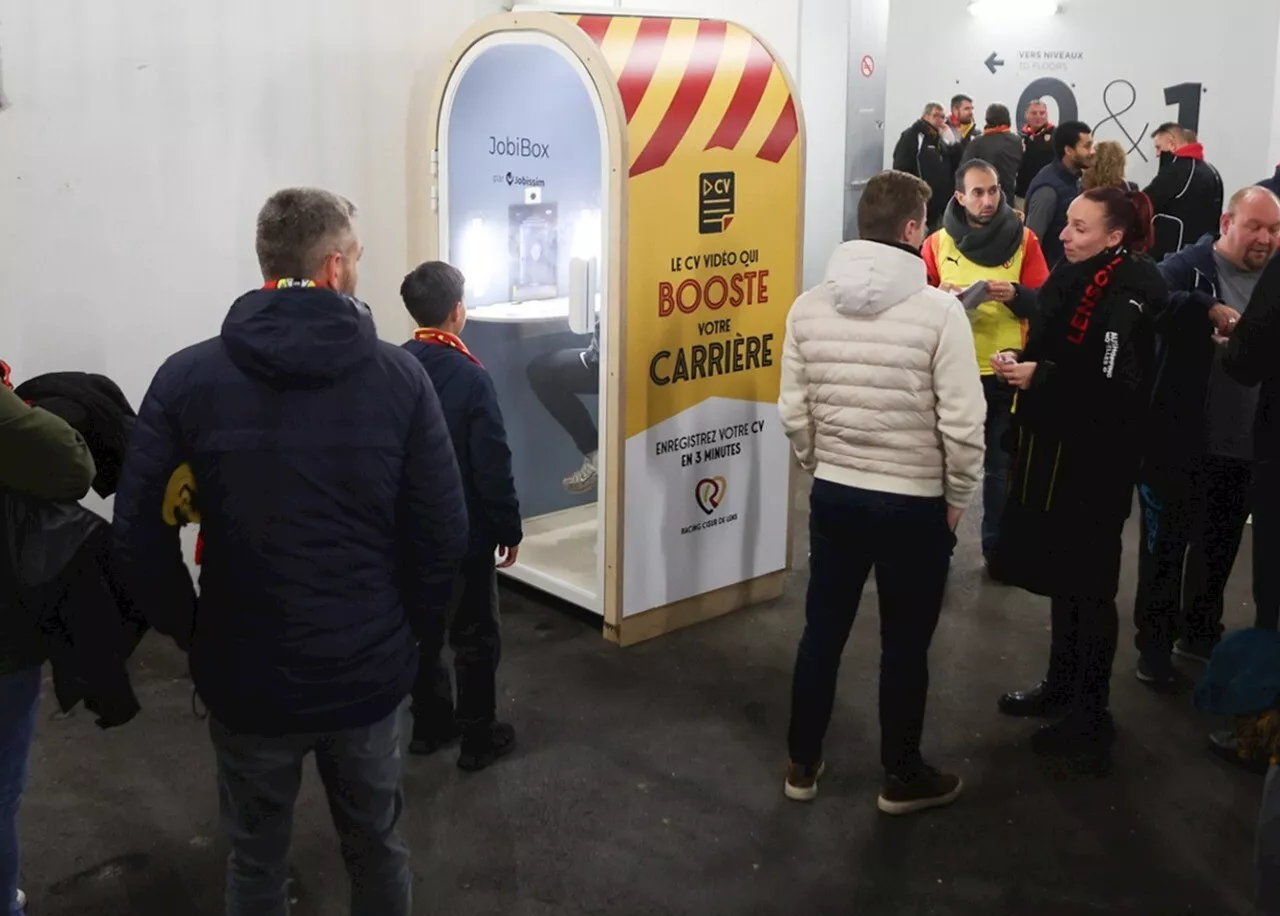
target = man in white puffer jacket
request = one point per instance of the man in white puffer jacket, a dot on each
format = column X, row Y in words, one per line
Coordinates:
column 882, row 400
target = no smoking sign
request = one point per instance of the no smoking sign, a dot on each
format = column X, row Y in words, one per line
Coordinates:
column 868, row 65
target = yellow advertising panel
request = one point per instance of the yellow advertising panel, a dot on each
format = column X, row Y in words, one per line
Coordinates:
column 714, row 209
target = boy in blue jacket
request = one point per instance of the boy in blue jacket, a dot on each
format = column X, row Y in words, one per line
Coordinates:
column 433, row 294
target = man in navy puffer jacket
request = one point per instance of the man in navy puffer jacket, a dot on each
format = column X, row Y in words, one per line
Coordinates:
column 333, row 520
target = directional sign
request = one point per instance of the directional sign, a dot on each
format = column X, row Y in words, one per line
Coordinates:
column 993, row 61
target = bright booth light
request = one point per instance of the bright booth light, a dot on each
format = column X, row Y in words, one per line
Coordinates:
column 586, row 235
column 1013, row 9
column 478, row 251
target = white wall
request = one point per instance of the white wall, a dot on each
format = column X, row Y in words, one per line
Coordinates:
column 937, row 50
column 143, row 135
column 1274, row 110
column 824, row 93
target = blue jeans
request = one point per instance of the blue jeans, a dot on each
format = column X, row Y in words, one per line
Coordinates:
column 905, row 539
column 19, row 699
column 995, row 476
column 258, row 781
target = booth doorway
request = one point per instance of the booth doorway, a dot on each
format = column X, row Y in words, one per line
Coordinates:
column 523, row 209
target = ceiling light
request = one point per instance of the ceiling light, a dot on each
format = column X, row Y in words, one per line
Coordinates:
column 1010, row 10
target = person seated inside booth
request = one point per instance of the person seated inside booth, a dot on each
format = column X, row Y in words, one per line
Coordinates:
column 558, row 379
column 433, row 295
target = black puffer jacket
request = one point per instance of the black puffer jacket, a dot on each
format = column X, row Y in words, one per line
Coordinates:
column 1078, row 431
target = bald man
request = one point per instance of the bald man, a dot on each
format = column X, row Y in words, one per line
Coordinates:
column 1197, row 473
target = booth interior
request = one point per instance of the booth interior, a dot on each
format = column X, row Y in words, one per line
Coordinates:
column 522, row 209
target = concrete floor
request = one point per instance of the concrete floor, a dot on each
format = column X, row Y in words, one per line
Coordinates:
column 649, row 782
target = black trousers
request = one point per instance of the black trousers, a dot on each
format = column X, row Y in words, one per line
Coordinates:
column 558, row 379
column 1266, row 544
column 995, row 476
column 476, row 640
column 905, row 539
column 1082, row 650
column 1193, row 521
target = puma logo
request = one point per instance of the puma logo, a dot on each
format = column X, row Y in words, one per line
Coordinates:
column 954, row 259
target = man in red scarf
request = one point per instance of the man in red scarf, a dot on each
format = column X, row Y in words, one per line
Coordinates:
column 1037, row 145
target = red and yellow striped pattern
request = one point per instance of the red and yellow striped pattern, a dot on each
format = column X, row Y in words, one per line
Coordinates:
column 706, row 83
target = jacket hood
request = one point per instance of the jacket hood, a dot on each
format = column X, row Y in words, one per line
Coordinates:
column 866, row 278
column 299, row 337
column 1190, row 151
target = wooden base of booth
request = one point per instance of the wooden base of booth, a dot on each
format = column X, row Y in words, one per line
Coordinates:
column 659, row 621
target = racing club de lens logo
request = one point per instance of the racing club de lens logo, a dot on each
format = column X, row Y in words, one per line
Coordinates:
column 710, row 493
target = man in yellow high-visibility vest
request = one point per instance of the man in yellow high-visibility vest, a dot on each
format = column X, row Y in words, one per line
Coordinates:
column 984, row 251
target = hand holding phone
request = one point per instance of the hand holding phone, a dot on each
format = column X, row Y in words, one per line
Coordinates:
column 1003, row 361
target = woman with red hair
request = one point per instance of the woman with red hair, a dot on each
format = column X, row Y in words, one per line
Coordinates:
column 1084, row 383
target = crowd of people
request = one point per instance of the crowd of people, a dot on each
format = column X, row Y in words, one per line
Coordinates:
column 1017, row 318
column 1002, row 326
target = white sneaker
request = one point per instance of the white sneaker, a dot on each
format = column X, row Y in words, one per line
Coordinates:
column 802, row 782
column 583, row 480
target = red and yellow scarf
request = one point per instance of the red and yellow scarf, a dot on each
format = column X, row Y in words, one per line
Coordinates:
column 445, row 339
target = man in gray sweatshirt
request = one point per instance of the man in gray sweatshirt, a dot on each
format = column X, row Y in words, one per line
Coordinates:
column 1196, row 475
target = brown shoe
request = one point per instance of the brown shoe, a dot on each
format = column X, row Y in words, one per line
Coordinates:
column 802, row 782
column 930, row 789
